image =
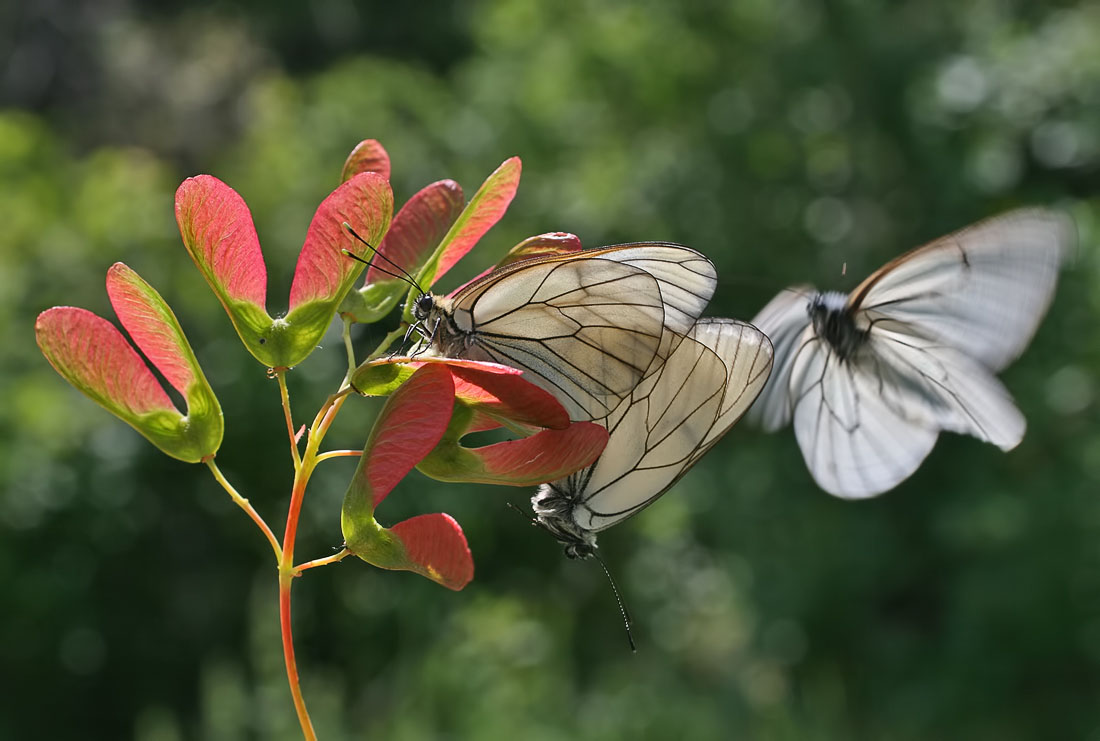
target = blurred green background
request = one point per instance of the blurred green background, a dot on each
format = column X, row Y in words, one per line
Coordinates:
column 789, row 140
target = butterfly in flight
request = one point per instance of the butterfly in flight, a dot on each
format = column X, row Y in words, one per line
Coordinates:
column 666, row 424
column 870, row 378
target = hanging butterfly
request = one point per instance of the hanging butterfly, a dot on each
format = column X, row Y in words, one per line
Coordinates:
column 587, row 326
column 669, row 421
column 871, row 378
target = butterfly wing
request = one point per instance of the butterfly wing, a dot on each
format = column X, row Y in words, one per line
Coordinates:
column 587, row 325
column 747, row 354
column 864, row 425
column 686, row 278
column 983, row 289
column 937, row 323
column 671, row 420
column 786, row 322
column 855, row 442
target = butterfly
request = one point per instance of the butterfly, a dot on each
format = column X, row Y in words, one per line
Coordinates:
column 668, row 422
column 870, row 378
column 586, row 326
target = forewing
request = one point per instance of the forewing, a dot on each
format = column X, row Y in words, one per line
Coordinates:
column 686, row 278
column 787, row 324
column 587, row 329
column 983, row 289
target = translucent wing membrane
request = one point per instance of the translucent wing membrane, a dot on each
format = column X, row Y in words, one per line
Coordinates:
column 786, row 323
column 865, row 426
column 854, row 443
column 686, row 278
column 939, row 385
column 747, row 354
column 586, row 331
column 587, row 325
column 669, row 421
column 983, row 289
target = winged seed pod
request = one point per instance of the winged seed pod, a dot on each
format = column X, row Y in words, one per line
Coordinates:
column 91, row 354
column 431, row 232
column 217, row 229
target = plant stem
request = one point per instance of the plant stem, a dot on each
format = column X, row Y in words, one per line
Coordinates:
column 350, row 349
column 287, row 572
column 334, row 558
column 338, row 454
column 285, row 580
column 326, row 421
column 285, row 394
column 247, row 507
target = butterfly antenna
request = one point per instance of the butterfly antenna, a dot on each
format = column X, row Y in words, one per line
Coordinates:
column 614, row 587
column 524, row 515
column 402, row 274
column 622, row 605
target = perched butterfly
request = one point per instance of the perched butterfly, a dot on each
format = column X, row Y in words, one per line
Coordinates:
column 661, row 430
column 871, row 378
column 587, row 326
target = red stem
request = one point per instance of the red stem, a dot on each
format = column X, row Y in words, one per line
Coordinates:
column 285, row 580
column 286, row 565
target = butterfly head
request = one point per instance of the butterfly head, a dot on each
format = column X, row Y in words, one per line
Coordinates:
column 554, row 514
column 834, row 322
column 423, row 306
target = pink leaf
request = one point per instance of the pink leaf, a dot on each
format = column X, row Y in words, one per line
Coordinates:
column 485, row 366
column 546, row 456
column 217, row 230
column 542, row 245
column 436, row 545
column 418, row 228
column 381, row 376
column 512, row 397
column 481, row 422
column 481, row 213
column 92, row 355
column 152, row 325
column 324, row 272
column 410, row 424
column 368, row 156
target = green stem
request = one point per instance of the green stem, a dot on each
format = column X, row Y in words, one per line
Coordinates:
column 338, row 454
column 247, row 507
column 285, row 395
column 334, row 558
column 348, row 347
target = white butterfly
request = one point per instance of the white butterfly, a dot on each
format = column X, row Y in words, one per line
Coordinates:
column 668, row 422
column 586, row 326
column 872, row 377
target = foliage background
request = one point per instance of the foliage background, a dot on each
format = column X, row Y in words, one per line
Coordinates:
column 790, row 140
